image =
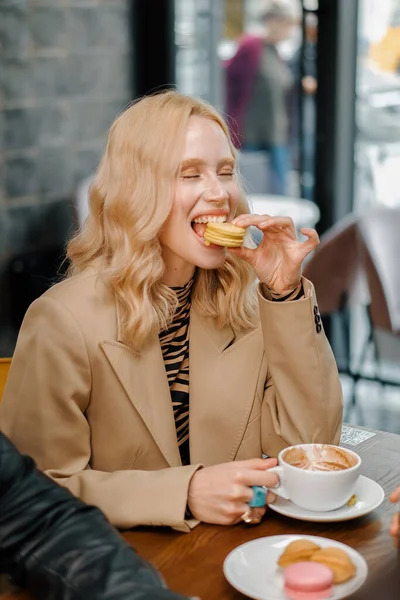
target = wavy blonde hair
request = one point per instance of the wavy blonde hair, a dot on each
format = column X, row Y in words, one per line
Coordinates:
column 130, row 199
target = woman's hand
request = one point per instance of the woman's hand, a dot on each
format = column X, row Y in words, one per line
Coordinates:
column 220, row 494
column 278, row 259
column 395, row 526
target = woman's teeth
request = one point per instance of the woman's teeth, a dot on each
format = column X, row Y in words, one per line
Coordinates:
column 209, row 219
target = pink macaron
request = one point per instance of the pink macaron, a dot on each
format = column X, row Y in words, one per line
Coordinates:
column 308, row 581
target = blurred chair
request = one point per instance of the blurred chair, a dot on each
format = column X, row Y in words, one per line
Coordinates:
column 356, row 265
column 334, row 266
column 5, row 364
column 335, row 269
column 379, row 246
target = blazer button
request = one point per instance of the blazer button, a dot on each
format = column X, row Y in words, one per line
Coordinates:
column 315, row 310
column 318, row 327
column 317, row 319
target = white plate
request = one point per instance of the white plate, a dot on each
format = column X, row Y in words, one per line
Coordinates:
column 252, row 567
column 369, row 496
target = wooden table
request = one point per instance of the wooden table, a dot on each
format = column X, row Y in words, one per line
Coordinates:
column 192, row 563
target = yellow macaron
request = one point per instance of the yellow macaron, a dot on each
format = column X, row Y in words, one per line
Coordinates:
column 224, row 234
column 338, row 561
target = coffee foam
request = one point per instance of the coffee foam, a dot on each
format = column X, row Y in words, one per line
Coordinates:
column 320, row 457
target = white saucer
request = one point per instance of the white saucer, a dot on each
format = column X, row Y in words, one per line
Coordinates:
column 369, row 496
column 252, row 567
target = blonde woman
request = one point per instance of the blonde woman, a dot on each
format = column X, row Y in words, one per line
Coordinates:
column 152, row 380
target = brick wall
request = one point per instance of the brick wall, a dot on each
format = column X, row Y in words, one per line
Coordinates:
column 65, row 72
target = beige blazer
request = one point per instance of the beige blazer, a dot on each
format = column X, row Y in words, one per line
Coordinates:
column 96, row 414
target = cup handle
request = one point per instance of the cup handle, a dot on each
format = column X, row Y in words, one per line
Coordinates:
column 280, row 489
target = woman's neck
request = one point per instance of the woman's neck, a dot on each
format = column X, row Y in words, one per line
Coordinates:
column 178, row 277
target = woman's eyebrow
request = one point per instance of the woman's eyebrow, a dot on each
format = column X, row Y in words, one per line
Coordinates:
column 191, row 162
column 198, row 162
column 226, row 162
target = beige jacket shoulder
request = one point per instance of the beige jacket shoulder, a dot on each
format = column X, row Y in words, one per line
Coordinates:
column 96, row 414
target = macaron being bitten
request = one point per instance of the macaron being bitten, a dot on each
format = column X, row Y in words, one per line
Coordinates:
column 224, row 234
column 307, row 581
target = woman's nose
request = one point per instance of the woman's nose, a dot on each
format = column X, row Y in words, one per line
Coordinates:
column 216, row 194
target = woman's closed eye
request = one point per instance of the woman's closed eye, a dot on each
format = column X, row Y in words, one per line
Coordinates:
column 191, row 176
column 186, row 177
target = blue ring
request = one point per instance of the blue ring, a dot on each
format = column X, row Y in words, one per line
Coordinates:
column 259, row 497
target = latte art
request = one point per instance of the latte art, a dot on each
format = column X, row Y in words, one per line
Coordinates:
column 319, row 457
column 322, row 465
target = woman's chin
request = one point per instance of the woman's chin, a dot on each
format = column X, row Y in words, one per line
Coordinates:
column 209, row 257
column 214, row 260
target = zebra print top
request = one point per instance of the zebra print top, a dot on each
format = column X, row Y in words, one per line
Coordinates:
column 175, row 350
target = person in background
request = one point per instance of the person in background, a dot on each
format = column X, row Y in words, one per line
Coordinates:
column 61, row 549
column 385, row 582
column 395, row 526
column 258, row 82
column 163, row 369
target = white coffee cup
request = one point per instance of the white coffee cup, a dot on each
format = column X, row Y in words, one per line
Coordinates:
column 310, row 487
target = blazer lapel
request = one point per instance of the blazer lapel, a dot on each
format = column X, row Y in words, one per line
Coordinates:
column 223, row 380
column 142, row 374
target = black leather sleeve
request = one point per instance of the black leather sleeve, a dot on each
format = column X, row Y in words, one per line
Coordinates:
column 60, row 548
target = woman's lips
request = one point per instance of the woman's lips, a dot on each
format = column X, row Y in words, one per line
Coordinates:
column 199, row 229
